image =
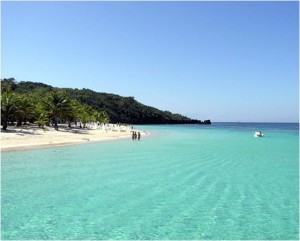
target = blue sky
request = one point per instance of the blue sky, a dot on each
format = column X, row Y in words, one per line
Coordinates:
column 224, row 61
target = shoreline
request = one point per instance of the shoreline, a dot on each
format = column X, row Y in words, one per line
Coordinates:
column 31, row 137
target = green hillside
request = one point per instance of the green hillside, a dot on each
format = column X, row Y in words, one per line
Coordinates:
column 119, row 109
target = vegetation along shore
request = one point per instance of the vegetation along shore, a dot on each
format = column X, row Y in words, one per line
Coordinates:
column 31, row 110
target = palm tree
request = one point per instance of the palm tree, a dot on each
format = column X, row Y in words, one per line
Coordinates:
column 25, row 108
column 73, row 115
column 40, row 114
column 86, row 115
column 84, row 118
column 57, row 104
column 8, row 84
column 102, row 116
column 42, row 120
column 8, row 107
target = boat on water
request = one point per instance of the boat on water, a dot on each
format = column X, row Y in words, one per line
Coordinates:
column 258, row 134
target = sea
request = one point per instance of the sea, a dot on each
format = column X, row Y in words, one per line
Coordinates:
column 179, row 182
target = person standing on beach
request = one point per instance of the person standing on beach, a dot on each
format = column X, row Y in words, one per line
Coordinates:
column 132, row 135
column 139, row 135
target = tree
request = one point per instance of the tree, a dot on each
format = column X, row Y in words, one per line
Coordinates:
column 42, row 120
column 101, row 116
column 86, row 115
column 74, row 114
column 8, row 107
column 8, row 85
column 57, row 104
column 84, row 118
column 25, row 108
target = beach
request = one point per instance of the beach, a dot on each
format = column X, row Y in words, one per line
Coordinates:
column 31, row 136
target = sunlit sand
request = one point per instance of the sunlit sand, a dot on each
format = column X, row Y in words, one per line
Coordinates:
column 31, row 136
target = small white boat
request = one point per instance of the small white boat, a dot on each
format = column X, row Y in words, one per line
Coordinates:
column 258, row 134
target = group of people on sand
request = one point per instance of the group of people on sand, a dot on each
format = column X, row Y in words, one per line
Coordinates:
column 136, row 135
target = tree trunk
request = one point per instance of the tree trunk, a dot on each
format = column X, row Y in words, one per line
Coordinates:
column 55, row 123
column 19, row 122
column 4, row 121
column 4, row 127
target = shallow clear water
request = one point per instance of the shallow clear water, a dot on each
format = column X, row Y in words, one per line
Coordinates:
column 180, row 182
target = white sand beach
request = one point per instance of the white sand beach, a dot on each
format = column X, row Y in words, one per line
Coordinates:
column 31, row 136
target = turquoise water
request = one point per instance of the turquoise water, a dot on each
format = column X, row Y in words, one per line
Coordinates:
column 180, row 182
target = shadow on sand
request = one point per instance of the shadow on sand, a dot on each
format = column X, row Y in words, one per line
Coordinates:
column 33, row 130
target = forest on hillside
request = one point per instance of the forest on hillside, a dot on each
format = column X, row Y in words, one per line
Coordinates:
column 30, row 101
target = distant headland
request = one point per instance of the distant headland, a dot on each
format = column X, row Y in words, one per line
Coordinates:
column 113, row 108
